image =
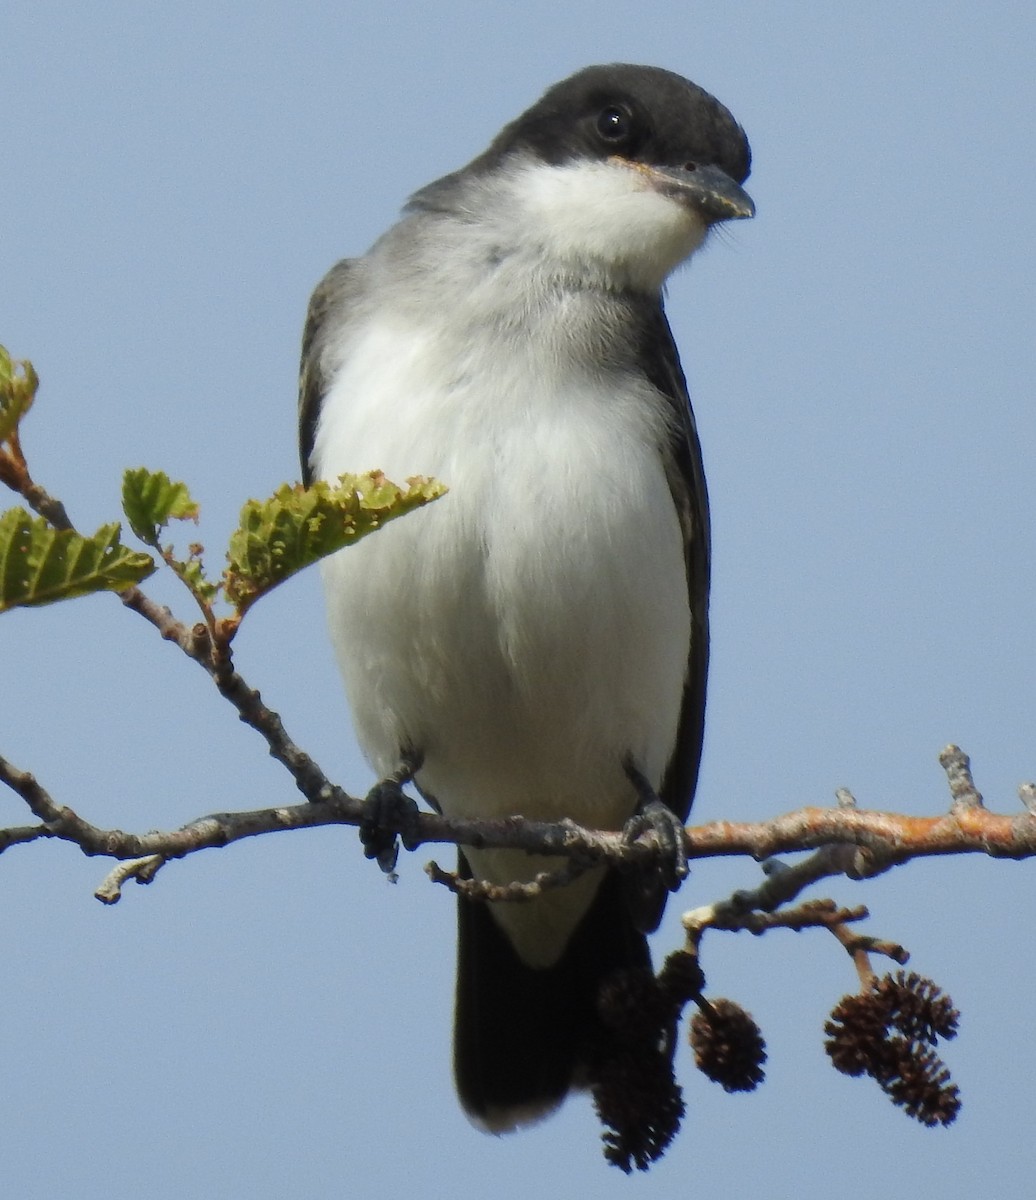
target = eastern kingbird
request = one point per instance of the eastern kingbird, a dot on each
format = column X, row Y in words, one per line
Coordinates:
column 536, row 642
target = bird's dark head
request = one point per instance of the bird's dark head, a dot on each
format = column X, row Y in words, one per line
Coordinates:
column 642, row 114
column 623, row 168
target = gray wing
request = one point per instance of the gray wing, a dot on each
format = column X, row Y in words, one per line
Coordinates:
column 330, row 307
column 659, row 361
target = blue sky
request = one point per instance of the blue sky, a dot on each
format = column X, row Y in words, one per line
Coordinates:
column 274, row 1020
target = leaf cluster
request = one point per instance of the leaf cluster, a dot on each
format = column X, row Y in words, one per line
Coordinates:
column 275, row 539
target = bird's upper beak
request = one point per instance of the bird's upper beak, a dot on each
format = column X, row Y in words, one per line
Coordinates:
column 703, row 187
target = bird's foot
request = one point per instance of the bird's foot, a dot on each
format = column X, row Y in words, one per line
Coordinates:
column 389, row 817
column 654, row 816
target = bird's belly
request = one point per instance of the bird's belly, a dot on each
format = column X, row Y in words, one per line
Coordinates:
column 528, row 633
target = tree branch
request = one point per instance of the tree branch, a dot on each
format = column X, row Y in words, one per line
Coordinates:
column 851, row 841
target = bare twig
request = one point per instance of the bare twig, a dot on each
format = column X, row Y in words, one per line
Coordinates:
column 18, row 835
column 957, row 766
column 811, row 914
column 754, row 910
column 854, row 942
column 143, row 870
column 14, row 472
column 515, row 892
column 860, row 947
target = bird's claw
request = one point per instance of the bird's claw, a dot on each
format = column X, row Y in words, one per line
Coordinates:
column 388, row 820
column 657, row 818
column 654, row 816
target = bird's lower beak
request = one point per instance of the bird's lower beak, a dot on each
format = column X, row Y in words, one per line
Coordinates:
column 703, row 187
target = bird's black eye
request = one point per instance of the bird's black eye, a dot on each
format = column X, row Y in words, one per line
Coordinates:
column 614, row 124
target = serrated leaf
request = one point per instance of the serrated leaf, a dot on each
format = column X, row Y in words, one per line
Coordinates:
column 298, row 526
column 18, row 384
column 40, row 564
column 150, row 500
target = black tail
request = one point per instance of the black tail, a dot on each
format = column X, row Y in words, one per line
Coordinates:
column 522, row 1036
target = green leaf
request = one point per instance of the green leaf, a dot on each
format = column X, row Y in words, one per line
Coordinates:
column 192, row 572
column 298, row 526
column 150, row 500
column 40, row 564
column 18, row 384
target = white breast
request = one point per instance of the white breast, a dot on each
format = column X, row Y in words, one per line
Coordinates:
column 530, row 630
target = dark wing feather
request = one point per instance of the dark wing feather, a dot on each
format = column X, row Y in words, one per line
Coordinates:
column 657, row 358
column 686, row 474
column 333, row 297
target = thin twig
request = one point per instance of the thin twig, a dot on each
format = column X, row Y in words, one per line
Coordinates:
column 14, row 472
column 860, row 948
column 811, row 914
column 18, row 835
column 514, row 892
column 143, row 870
column 957, row 766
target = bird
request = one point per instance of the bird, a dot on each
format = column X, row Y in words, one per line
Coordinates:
column 535, row 642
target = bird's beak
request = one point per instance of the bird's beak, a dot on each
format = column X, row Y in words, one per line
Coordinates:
column 703, row 187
